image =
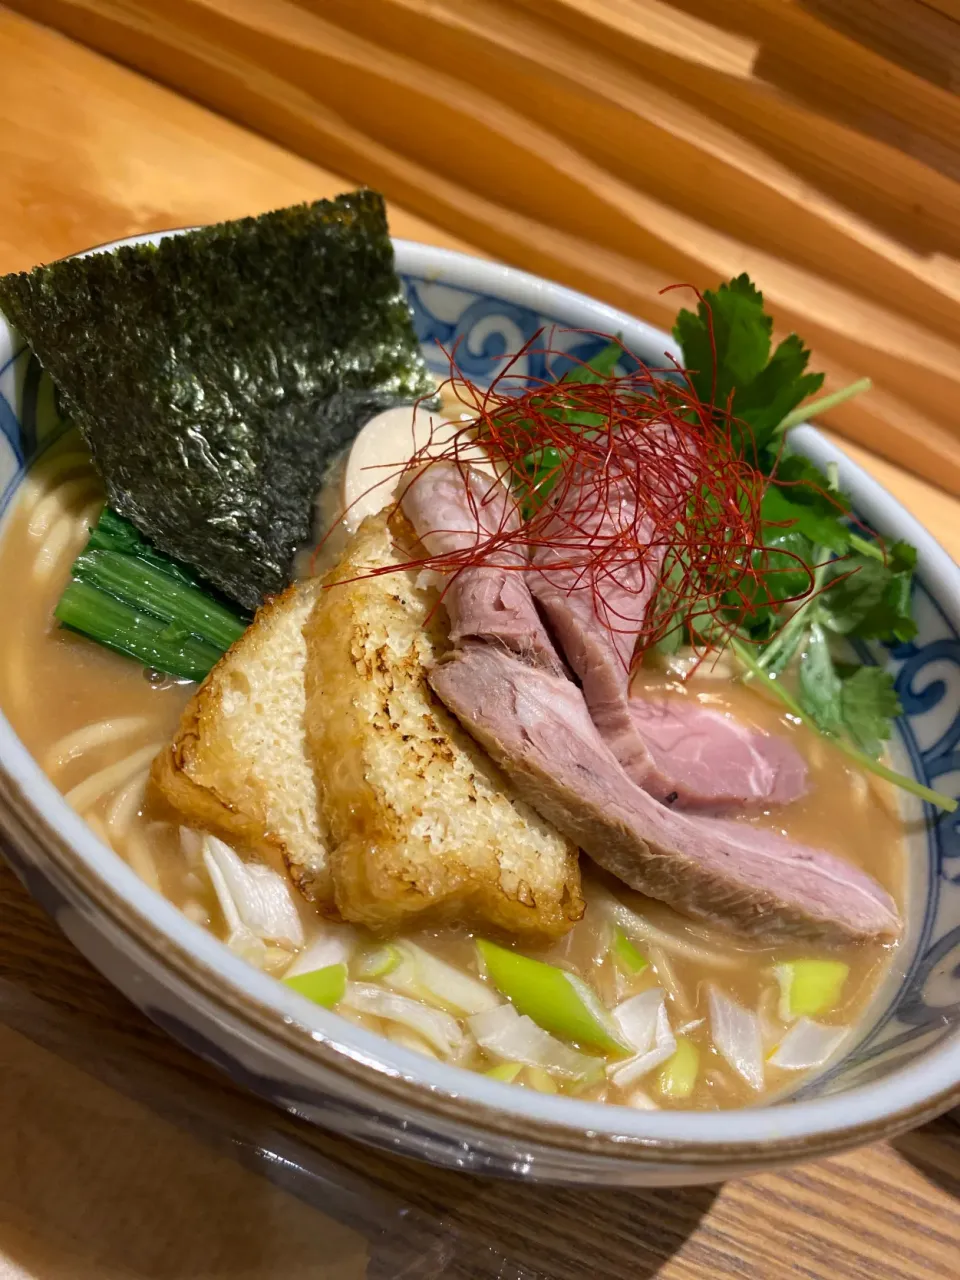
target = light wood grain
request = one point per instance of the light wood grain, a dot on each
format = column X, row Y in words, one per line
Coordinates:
column 90, row 152
column 624, row 145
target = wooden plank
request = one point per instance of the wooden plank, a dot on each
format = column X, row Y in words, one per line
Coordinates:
column 100, row 153
column 617, row 158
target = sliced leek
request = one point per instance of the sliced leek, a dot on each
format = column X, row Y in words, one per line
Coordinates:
column 323, row 986
column 809, row 987
column 560, row 1002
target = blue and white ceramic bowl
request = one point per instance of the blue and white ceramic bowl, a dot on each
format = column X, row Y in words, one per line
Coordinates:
column 905, row 1068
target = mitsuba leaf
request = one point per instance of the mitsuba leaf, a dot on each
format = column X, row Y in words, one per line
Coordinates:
column 741, row 332
column 598, row 368
column 779, row 387
column 859, row 703
column 868, row 707
column 820, row 685
column 870, row 598
column 783, row 574
column 216, row 375
column 802, row 505
column 758, row 388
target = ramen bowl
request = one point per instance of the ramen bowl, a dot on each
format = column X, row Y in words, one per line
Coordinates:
column 902, row 1068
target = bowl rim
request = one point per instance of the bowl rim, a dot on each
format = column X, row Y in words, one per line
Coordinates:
column 431, row 1090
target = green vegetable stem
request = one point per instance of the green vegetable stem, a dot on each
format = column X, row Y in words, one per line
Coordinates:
column 126, row 596
column 556, row 1000
column 323, row 986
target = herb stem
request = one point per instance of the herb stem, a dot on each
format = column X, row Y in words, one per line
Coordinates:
column 865, row 547
column 784, row 644
column 812, row 408
column 936, row 798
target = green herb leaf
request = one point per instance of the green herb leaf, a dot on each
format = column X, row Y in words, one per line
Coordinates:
column 868, row 707
column 216, row 374
column 870, row 598
column 759, row 389
column 741, row 336
column 599, row 368
column 820, row 686
column 801, row 496
column 783, row 569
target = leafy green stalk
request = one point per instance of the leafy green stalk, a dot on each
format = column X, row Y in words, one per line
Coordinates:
column 149, row 589
column 128, row 597
column 779, row 690
column 123, row 628
column 812, row 408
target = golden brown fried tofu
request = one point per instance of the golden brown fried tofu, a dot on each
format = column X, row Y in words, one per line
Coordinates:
column 423, row 827
column 239, row 765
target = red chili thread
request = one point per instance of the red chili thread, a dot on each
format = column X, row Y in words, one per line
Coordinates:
column 687, row 501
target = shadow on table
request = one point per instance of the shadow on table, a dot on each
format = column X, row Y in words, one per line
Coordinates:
column 934, row 1151
column 117, row 1166
column 125, row 1156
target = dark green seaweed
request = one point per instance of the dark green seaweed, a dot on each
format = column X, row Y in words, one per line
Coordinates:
column 215, row 375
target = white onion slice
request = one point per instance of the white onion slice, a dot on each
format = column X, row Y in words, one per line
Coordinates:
column 423, row 976
column 334, row 944
column 690, row 1026
column 505, row 1034
column 257, row 902
column 644, row 1021
column 736, row 1034
column 641, row 1101
column 807, row 1044
column 438, row 1028
column 637, row 1018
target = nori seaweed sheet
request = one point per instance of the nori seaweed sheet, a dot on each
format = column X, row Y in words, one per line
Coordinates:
column 216, row 375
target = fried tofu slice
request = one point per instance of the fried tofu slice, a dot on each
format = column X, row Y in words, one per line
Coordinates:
column 424, row 828
column 238, row 766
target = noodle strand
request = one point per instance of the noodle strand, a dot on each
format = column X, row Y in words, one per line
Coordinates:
column 79, row 741
column 86, row 794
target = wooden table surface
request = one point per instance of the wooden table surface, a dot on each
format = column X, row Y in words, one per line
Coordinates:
column 89, row 152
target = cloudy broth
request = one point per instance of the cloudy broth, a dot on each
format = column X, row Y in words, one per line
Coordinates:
column 95, row 720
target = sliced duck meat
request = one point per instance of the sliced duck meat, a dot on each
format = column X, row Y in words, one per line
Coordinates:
column 694, row 757
column 537, row 727
column 453, row 510
column 708, row 760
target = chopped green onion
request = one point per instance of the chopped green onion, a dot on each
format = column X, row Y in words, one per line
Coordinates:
column 679, row 1073
column 808, row 987
column 558, row 1001
column 323, row 986
column 426, row 977
column 541, row 1080
column 379, row 962
column 505, row 1071
column 626, row 955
